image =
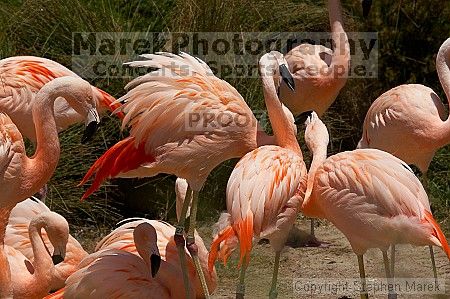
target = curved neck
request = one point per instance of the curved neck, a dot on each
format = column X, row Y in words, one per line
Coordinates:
column 5, row 274
column 283, row 129
column 443, row 70
column 442, row 67
column 39, row 168
column 42, row 260
column 319, row 156
column 341, row 52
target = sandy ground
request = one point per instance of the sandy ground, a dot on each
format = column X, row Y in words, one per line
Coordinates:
column 331, row 265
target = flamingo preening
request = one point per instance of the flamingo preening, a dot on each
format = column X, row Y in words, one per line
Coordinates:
column 319, row 73
column 371, row 196
column 122, row 239
column 17, row 237
column 22, row 176
column 32, row 279
column 169, row 111
column 408, row 120
column 261, row 188
column 113, row 273
column 21, row 78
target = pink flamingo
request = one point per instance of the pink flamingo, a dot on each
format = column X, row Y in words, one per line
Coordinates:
column 21, row 77
column 407, row 121
column 32, row 279
column 17, row 237
column 169, row 111
column 319, row 73
column 122, row 239
column 113, row 273
column 261, row 188
column 371, row 196
column 21, row 176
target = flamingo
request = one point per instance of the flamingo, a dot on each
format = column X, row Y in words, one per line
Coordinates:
column 407, row 121
column 17, row 237
column 373, row 197
column 32, row 279
column 261, row 188
column 161, row 108
column 21, row 176
column 319, row 73
column 122, row 239
column 21, row 77
column 113, row 273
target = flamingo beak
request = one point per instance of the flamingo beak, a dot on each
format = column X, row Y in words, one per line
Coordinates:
column 155, row 262
column 302, row 117
column 92, row 121
column 366, row 5
column 57, row 259
column 287, row 77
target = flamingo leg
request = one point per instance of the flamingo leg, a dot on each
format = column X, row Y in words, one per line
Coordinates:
column 393, row 260
column 391, row 292
column 240, row 288
column 180, row 241
column 362, row 275
column 312, row 227
column 433, row 263
column 192, row 247
column 273, row 290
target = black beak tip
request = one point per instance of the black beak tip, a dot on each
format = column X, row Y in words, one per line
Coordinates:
column 57, row 259
column 301, row 118
column 287, row 77
column 155, row 261
column 90, row 130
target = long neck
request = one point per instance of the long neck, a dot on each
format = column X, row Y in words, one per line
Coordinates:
column 319, row 156
column 42, row 261
column 39, row 168
column 5, row 275
column 282, row 128
column 443, row 70
column 168, row 276
column 341, row 54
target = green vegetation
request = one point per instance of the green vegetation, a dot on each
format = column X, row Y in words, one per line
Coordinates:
column 410, row 36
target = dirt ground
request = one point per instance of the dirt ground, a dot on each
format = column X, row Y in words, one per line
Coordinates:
column 331, row 265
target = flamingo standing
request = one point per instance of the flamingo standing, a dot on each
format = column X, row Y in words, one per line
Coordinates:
column 32, row 279
column 113, row 273
column 21, row 176
column 407, row 121
column 319, row 73
column 21, row 77
column 184, row 121
column 370, row 195
column 261, row 188
column 17, row 237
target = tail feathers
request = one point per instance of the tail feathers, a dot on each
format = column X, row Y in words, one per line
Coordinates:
column 244, row 230
column 56, row 295
column 121, row 157
column 225, row 234
column 110, row 103
column 438, row 233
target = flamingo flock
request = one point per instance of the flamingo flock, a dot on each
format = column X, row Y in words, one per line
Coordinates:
column 370, row 194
